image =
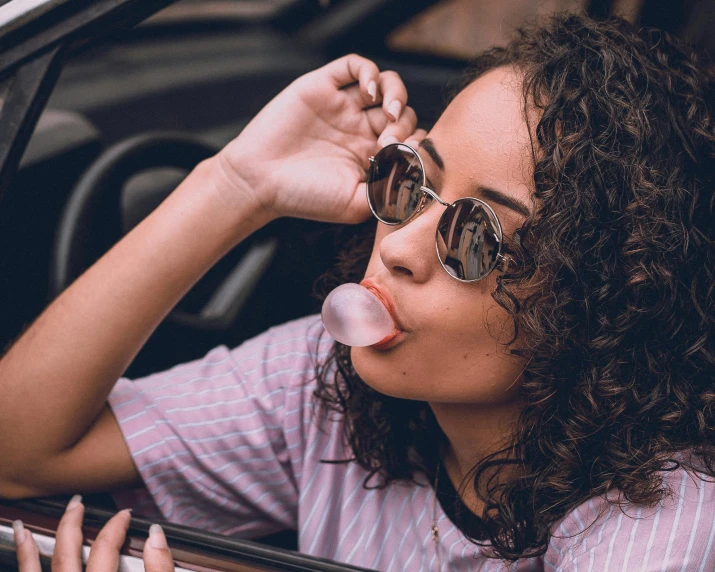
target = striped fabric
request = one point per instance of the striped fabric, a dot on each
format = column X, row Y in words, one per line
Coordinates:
column 230, row 444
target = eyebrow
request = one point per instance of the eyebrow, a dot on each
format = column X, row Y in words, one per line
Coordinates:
column 504, row 200
column 428, row 145
column 490, row 194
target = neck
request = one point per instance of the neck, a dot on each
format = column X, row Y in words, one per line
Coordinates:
column 473, row 432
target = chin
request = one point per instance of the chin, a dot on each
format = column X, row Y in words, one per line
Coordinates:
column 375, row 369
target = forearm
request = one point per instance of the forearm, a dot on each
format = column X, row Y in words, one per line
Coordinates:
column 56, row 378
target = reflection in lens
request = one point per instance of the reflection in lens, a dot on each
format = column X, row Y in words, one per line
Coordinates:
column 470, row 237
column 394, row 184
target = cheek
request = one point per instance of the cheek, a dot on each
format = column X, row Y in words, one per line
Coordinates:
column 447, row 358
column 474, row 375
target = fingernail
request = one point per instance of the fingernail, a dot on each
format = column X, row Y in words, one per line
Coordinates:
column 75, row 501
column 372, row 90
column 394, row 109
column 19, row 530
column 127, row 512
column 156, row 537
column 387, row 140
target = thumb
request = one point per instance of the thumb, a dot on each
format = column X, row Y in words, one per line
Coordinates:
column 157, row 556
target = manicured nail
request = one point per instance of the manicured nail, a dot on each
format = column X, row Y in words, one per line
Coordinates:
column 394, row 109
column 156, row 537
column 19, row 530
column 75, row 501
column 387, row 140
column 127, row 512
column 372, row 90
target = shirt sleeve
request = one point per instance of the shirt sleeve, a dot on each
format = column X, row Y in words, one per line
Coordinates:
column 219, row 442
column 673, row 536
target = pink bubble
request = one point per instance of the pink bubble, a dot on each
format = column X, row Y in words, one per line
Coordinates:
column 354, row 316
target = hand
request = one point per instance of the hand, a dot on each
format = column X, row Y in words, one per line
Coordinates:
column 306, row 153
column 104, row 554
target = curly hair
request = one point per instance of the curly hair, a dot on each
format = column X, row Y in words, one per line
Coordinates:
column 610, row 290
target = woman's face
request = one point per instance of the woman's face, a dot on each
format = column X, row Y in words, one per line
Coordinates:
column 451, row 349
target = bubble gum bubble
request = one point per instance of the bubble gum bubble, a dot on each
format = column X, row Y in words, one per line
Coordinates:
column 354, row 316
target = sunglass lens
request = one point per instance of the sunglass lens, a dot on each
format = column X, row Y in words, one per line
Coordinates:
column 394, row 181
column 468, row 240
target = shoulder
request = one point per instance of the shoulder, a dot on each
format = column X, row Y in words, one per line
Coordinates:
column 304, row 337
column 296, row 344
column 260, row 373
column 675, row 534
column 285, row 356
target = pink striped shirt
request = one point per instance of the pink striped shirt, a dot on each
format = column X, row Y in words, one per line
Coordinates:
column 230, row 444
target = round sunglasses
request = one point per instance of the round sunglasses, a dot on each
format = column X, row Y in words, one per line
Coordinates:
column 469, row 234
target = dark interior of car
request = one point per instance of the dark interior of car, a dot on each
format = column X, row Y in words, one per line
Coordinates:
column 167, row 94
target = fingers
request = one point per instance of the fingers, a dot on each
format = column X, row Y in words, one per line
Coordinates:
column 373, row 86
column 394, row 94
column 28, row 556
column 67, row 556
column 353, row 68
column 392, row 132
column 415, row 139
column 104, row 554
column 157, row 557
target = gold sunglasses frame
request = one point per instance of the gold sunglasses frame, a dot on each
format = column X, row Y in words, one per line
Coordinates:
column 428, row 194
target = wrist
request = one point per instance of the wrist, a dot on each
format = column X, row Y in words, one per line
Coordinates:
column 233, row 192
column 206, row 204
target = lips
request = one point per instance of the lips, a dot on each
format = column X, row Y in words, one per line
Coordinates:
column 389, row 340
column 389, row 306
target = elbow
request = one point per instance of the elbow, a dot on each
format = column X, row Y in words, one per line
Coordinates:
column 18, row 483
column 14, row 491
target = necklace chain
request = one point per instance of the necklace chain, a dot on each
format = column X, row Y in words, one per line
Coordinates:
column 435, row 529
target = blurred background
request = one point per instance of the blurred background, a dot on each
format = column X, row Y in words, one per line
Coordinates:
column 135, row 109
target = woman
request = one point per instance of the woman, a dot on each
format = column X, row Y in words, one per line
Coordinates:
column 546, row 398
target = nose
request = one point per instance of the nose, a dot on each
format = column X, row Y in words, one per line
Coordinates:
column 409, row 249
